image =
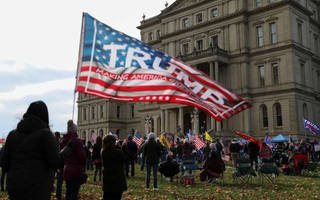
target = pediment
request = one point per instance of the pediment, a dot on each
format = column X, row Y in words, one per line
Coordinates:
column 180, row 4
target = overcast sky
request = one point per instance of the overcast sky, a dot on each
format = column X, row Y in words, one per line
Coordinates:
column 39, row 45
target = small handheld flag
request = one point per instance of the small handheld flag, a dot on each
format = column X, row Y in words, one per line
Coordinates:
column 208, row 137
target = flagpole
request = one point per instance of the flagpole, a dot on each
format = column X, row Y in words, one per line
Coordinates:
column 305, row 131
column 80, row 53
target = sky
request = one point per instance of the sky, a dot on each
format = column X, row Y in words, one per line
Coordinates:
column 39, row 46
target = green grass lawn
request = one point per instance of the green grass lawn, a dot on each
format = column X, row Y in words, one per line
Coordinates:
column 286, row 187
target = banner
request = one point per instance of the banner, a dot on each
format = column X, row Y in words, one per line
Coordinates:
column 249, row 138
column 117, row 66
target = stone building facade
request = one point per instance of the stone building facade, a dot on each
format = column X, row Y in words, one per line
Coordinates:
column 266, row 51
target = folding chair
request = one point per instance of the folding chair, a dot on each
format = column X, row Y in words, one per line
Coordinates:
column 300, row 163
column 188, row 163
column 244, row 171
column 214, row 169
column 268, row 171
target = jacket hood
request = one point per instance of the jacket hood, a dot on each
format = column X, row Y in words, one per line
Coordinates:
column 39, row 109
column 31, row 123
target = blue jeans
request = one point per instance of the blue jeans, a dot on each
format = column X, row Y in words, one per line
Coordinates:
column 155, row 171
column 73, row 187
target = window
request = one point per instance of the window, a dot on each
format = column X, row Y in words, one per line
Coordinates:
column 261, row 75
column 199, row 17
column 185, row 49
column 158, row 33
column 275, row 73
column 264, row 116
column 150, row 37
column 199, row 44
column 132, row 111
column 84, row 114
column 101, row 111
column 214, row 41
column 214, row 12
column 258, row 3
column 303, row 75
column 278, row 114
column 300, row 33
column 259, row 36
column 305, row 111
column 185, row 22
column 118, row 112
column 92, row 113
column 273, row 33
column 270, row 1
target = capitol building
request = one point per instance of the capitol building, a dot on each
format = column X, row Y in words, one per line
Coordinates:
column 266, row 51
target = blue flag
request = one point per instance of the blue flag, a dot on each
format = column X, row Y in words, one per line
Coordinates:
column 311, row 127
column 268, row 141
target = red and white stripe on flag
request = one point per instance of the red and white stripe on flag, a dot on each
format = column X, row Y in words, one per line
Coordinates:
column 119, row 67
column 138, row 141
column 197, row 142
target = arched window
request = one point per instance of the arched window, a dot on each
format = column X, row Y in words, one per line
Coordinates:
column 264, row 115
column 305, row 111
column 278, row 114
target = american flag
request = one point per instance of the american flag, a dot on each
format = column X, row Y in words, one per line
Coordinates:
column 137, row 140
column 117, row 66
column 311, row 127
column 197, row 142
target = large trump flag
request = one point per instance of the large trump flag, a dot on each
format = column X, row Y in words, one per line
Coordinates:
column 117, row 66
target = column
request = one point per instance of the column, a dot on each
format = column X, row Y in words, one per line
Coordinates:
column 155, row 123
column 147, row 121
column 180, row 123
column 195, row 120
column 162, row 121
column 166, row 126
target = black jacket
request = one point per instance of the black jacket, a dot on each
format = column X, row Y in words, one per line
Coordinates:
column 114, row 179
column 152, row 152
column 30, row 156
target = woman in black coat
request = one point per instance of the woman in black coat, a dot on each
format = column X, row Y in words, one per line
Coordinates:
column 30, row 156
column 114, row 179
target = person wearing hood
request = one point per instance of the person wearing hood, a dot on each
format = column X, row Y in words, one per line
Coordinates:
column 31, row 155
column 74, row 162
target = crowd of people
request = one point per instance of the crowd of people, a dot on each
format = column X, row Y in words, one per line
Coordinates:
column 34, row 159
